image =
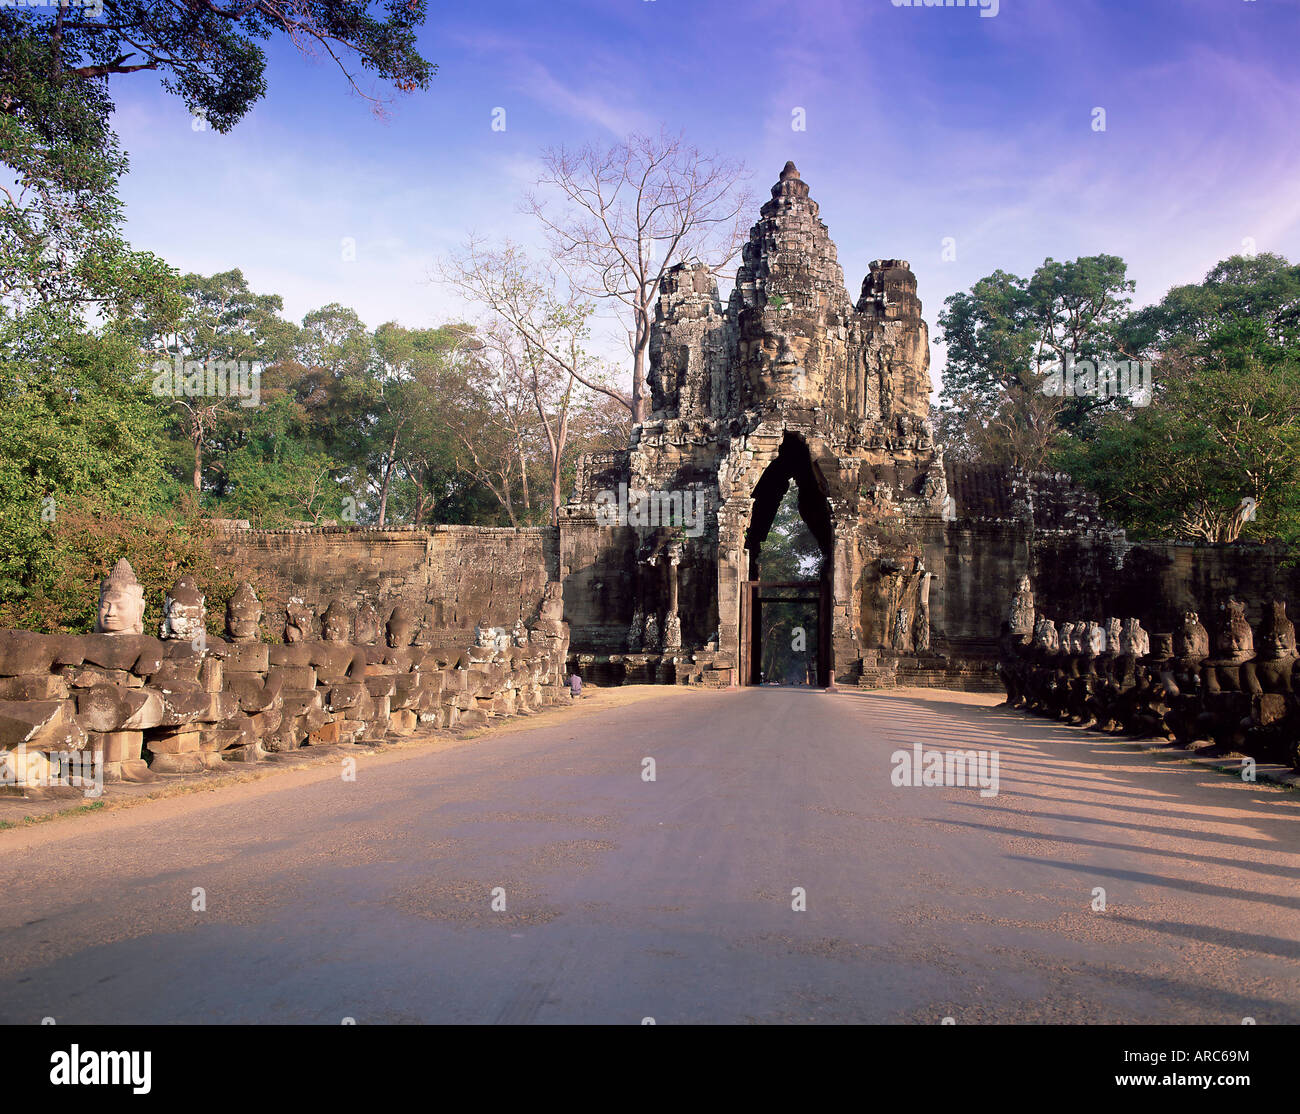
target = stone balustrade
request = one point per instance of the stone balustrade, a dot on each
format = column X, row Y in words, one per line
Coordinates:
column 1237, row 690
column 138, row 707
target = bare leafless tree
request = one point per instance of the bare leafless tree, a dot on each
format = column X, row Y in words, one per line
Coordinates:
column 628, row 212
column 535, row 343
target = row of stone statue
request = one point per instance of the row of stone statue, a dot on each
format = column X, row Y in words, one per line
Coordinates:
column 121, row 611
column 185, row 702
column 1236, row 691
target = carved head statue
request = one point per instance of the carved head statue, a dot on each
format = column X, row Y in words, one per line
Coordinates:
column 1236, row 639
column 243, row 613
column 1067, row 637
column 365, row 630
column 336, row 623
column 1046, row 636
column 1094, row 639
column 1162, row 647
column 484, row 636
column 1114, row 633
column 1277, row 634
column 1021, row 615
column 182, row 612
column 552, row 606
column 1134, row 640
column 121, row 602
column 1192, row 640
column 520, row 634
column 400, row 631
column 1079, row 638
column 297, row 620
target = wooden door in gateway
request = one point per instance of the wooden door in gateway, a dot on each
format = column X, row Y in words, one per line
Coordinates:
column 753, row 594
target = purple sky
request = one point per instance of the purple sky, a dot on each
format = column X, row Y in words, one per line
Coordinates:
column 922, row 123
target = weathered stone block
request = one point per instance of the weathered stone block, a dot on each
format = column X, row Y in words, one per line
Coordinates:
column 189, row 762
column 211, row 674
column 402, row 722
column 48, row 686
column 250, row 690
column 44, row 724
column 108, row 708
column 248, row 657
column 326, row 733
column 190, row 707
column 179, row 740
column 381, row 686
column 88, row 676
column 23, row 652
column 344, row 696
column 118, row 746
column 295, row 676
column 296, row 654
column 297, row 703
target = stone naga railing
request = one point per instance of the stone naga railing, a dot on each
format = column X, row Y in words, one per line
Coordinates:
column 132, row 707
column 1116, row 678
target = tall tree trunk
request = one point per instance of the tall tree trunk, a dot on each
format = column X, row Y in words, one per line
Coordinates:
column 638, row 366
column 523, row 477
column 388, row 474
column 198, row 459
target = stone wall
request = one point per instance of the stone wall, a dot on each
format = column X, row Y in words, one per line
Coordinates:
column 452, row 577
column 135, row 707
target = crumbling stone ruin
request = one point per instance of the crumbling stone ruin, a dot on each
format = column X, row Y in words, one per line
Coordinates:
column 1236, row 693
column 135, row 707
column 792, row 381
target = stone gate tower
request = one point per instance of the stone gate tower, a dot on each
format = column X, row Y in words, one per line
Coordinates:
column 790, row 380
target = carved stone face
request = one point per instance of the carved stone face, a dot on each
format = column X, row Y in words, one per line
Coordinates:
column 121, row 602
column 552, row 606
column 400, row 630
column 243, row 614
column 1095, row 639
column 334, row 624
column 366, row 625
column 1192, row 640
column 1236, row 639
column 1163, row 647
column 1134, row 639
column 520, row 634
column 1046, row 636
column 183, row 612
column 1114, row 632
column 297, row 621
column 1277, row 637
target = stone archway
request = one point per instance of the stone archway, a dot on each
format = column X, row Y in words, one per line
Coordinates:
column 792, row 462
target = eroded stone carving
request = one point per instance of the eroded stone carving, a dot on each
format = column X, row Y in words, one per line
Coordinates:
column 243, row 614
column 297, row 620
column 183, row 612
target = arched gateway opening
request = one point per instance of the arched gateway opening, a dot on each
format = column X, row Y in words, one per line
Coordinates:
column 785, row 600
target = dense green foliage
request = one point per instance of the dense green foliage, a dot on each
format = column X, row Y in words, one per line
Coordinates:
column 1215, row 451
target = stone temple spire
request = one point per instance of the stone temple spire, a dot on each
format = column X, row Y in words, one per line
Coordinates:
column 789, row 256
column 790, row 339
